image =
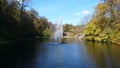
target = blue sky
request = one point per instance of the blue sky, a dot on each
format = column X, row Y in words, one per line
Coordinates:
column 71, row 11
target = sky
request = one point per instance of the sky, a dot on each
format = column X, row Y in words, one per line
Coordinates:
column 71, row 11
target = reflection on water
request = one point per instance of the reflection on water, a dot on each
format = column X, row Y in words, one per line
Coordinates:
column 49, row 54
column 18, row 54
column 104, row 55
column 55, row 55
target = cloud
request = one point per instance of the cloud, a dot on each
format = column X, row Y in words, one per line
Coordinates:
column 78, row 13
column 84, row 12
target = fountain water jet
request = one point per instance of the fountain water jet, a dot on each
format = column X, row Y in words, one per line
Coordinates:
column 58, row 33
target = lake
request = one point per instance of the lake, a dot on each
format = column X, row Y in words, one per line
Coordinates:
column 40, row 53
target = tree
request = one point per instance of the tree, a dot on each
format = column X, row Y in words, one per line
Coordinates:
column 16, row 23
column 68, row 27
column 104, row 25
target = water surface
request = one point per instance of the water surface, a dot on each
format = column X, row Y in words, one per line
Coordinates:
column 39, row 53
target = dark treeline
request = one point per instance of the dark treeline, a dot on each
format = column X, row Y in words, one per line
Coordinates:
column 18, row 23
column 105, row 23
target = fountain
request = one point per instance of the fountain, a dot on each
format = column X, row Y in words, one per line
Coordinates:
column 58, row 32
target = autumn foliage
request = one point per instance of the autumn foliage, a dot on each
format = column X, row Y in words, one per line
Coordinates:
column 105, row 23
